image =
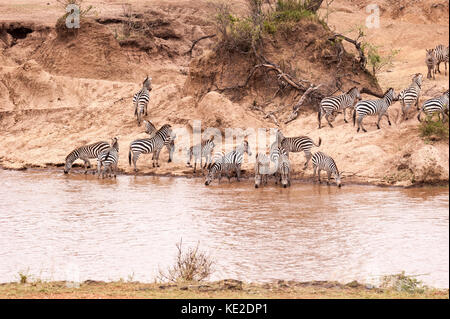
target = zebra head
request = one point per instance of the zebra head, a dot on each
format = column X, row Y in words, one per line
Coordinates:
column 417, row 78
column 215, row 167
column 69, row 161
column 389, row 95
column 115, row 143
column 147, row 83
column 337, row 177
column 246, row 148
column 354, row 92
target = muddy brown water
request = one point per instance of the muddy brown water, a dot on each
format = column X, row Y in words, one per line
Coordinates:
column 76, row 227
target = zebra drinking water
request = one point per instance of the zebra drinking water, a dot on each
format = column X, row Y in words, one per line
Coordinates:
column 203, row 149
column 298, row 144
column 85, row 153
column 233, row 160
column 322, row 161
column 411, row 95
column 216, row 168
column 284, row 171
column 109, row 158
column 436, row 105
column 141, row 98
column 373, row 107
column 441, row 53
column 431, row 62
column 151, row 145
column 333, row 104
column 262, row 169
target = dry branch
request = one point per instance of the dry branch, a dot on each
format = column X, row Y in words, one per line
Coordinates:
column 296, row 108
column 362, row 58
column 197, row 41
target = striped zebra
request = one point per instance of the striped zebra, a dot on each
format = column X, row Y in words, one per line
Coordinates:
column 411, row 95
column 441, row 54
column 151, row 145
column 299, row 144
column 262, row 169
column 216, row 168
column 437, row 105
column 109, row 158
column 333, row 104
column 85, row 153
column 431, row 63
column 324, row 162
column 373, row 107
column 149, row 128
column 203, row 149
column 284, row 171
column 141, row 98
column 233, row 160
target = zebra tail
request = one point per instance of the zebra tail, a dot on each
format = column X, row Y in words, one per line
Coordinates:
column 418, row 117
column 319, row 113
column 129, row 157
column 354, row 117
column 318, row 144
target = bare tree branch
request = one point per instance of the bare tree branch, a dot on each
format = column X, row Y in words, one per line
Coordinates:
column 197, row 41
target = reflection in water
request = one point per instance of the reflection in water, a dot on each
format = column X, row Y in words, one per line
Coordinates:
column 56, row 226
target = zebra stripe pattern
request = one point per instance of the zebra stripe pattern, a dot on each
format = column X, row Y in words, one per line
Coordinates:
column 233, row 160
column 262, row 169
column 203, row 149
column 437, row 105
column 150, row 145
column 373, row 107
column 149, row 128
column 441, row 53
column 324, row 162
column 411, row 95
column 284, row 171
column 216, row 168
column 431, row 63
column 299, row 144
column 141, row 98
column 331, row 105
column 85, row 153
column 109, row 158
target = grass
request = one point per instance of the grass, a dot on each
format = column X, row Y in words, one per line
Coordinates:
column 218, row 289
column 434, row 130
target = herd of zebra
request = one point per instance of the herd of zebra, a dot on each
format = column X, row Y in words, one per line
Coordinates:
column 277, row 162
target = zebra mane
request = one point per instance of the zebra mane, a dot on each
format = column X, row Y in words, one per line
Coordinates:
column 351, row 89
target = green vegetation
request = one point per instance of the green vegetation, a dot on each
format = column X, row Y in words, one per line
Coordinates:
column 403, row 283
column 434, row 130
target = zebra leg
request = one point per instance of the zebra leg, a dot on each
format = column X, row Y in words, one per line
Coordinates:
column 387, row 117
column 135, row 158
column 195, row 165
column 360, row 124
column 99, row 167
column 345, row 119
column 308, row 157
column 318, row 176
column 314, row 172
column 238, row 173
column 329, row 178
column 328, row 120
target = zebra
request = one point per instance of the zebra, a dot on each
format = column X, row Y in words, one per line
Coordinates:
column 141, row 98
column 437, row 105
column 431, row 62
column 441, row 54
column 233, row 160
column 109, row 158
column 333, row 104
column 299, row 144
column 216, row 168
column 262, row 169
column 151, row 145
column 322, row 161
column 284, row 171
column 149, row 128
column 373, row 107
column 85, row 153
column 411, row 95
column 203, row 149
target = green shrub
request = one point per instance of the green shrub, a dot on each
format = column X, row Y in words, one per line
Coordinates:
column 291, row 10
column 403, row 283
column 434, row 130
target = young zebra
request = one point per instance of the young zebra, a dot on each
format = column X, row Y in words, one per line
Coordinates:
column 203, row 149
column 333, row 104
column 233, row 160
column 109, row 158
column 411, row 95
column 431, row 63
column 284, row 171
column 322, row 161
column 299, row 144
column 85, row 153
column 437, row 105
column 373, row 107
column 150, row 145
column 216, row 168
column 141, row 98
column 262, row 169
column 441, row 54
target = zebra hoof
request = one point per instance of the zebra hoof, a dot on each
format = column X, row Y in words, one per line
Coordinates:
column 391, row 124
column 345, row 121
column 364, row 130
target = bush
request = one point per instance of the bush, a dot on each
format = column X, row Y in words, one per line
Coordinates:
column 403, row 283
column 192, row 265
column 434, row 130
column 291, row 10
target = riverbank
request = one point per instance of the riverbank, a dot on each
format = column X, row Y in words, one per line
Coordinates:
column 219, row 289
